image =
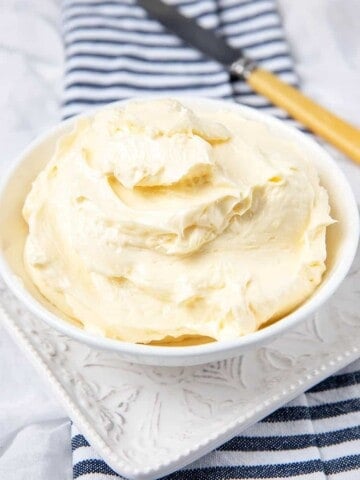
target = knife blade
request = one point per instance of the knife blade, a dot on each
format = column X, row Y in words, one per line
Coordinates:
column 205, row 40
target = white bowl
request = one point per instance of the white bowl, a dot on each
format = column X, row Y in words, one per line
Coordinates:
column 342, row 240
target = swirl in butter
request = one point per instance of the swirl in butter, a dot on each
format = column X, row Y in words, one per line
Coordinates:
column 153, row 222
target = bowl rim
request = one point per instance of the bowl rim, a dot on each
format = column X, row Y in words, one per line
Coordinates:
column 206, row 350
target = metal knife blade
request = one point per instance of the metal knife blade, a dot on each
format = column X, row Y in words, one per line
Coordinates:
column 203, row 39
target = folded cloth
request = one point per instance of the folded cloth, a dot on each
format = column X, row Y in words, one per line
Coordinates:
column 115, row 51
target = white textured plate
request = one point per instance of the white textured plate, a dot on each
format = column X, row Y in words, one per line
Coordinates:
column 149, row 421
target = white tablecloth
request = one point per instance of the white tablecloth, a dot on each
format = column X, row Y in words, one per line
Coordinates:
column 325, row 40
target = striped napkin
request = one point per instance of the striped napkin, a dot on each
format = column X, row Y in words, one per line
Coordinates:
column 114, row 51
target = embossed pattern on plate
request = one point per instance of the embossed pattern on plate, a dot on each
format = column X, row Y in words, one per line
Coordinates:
column 147, row 421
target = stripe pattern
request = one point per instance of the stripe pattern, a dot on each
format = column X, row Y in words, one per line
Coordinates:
column 314, row 437
column 114, row 51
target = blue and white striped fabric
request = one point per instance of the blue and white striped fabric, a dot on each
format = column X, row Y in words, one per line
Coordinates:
column 314, row 437
column 114, row 51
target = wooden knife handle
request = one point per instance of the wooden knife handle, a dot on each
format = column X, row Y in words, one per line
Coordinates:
column 319, row 120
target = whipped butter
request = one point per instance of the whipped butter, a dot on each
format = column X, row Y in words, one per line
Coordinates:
column 153, row 221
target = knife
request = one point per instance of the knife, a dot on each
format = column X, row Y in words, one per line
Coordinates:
column 321, row 121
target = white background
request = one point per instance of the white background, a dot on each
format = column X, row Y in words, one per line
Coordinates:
column 325, row 41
